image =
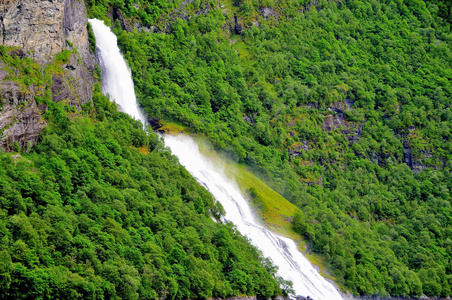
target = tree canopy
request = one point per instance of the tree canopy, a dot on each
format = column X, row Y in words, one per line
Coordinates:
column 343, row 107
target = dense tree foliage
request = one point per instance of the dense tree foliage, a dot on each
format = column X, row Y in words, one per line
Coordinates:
column 343, row 107
column 101, row 210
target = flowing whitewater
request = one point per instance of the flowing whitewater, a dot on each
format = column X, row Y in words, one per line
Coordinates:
column 116, row 76
column 117, row 82
column 283, row 251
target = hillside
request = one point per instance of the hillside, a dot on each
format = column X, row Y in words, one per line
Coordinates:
column 343, row 107
column 91, row 205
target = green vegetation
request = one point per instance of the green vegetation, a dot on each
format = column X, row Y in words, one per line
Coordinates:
column 268, row 204
column 271, row 207
column 100, row 210
column 91, row 39
column 343, row 108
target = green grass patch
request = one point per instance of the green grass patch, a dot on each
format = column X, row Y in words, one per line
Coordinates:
column 270, row 206
column 174, row 128
column 273, row 209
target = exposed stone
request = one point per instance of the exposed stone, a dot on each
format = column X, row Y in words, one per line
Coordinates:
column 349, row 103
column 156, row 123
column 20, row 118
column 312, row 105
column 183, row 12
column 30, row 24
column 76, row 31
column 203, row 11
column 141, row 28
column 331, row 122
column 237, row 27
column 249, row 119
column 75, row 85
column 117, row 15
column 40, row 30
column 298, row 148
column 408, row 159
column 45, row 28
column 353, row 131
column 338, row 120
column 267, row 12
column 415, row 159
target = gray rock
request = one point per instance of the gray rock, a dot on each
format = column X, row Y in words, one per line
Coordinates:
column 267, row 12
column 42, row 29
column 237, row 27
column 20, row 118
column 74, row 85
column 117, row 15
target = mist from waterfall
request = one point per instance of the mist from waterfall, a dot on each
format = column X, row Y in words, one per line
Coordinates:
column 117, row 82
column 283, row 251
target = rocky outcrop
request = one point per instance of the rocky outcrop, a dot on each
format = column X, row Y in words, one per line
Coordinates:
column 74, row 85
column 185, row 11
column 415, row 158
column 31, row 25
column 20, row 118
column 267, row 12
column 297, row 149
column 45, row 28
column 40, row 29
column 76, row 30
column 338, row 119
column 125, row 25
column 237, row 28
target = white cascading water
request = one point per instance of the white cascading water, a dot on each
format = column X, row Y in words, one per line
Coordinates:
column 283, row 251
column 292, row 264
column 116, row 75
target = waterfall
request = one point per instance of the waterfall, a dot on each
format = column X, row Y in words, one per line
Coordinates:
column 283, row 251
column 116, row 76
column 292, row 264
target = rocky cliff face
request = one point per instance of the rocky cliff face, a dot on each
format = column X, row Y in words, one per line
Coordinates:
column 41, row 29
column 44, row 28
column 20, row 117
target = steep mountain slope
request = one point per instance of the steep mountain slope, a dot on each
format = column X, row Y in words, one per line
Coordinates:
column 91, row 205
column 342, row 107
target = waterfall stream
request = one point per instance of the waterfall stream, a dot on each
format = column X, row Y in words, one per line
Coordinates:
column 116, row 75
column 283, row 251
column 117, row 82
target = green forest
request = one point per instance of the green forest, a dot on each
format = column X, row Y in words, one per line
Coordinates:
column 101, row 210
column 343, row 107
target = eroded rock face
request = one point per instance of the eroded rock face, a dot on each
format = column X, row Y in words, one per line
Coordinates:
column 32, row 25
column 41, row 29
column 20, row 118
column 75, row 85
